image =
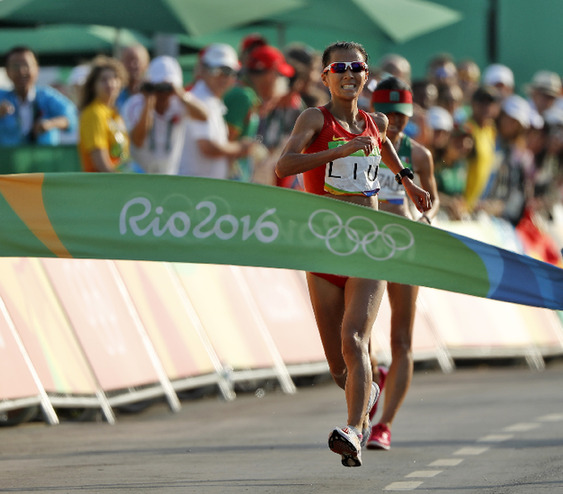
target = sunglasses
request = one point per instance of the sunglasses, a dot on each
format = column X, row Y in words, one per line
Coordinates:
column 341, row 67
column 223, row 70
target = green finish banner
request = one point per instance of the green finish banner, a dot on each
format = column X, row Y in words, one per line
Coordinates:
column 197, row 220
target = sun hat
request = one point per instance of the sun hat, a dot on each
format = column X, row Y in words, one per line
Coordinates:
column 519, row 109
column 165, row 69
column 498, row 74
column 439, row 118
column 392, row 101
column 220, row 55
column 251, row 41
column 267, row 57
column 546, row 82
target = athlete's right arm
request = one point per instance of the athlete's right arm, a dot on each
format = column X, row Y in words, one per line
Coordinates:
column 307, row 127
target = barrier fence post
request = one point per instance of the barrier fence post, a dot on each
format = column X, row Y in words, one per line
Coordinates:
column 46, row 405
column 282, row 373
column 223, row 381
column 169, row 392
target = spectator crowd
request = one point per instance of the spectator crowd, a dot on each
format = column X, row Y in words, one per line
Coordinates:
column 495, row 149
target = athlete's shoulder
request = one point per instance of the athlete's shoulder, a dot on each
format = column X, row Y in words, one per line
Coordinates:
column 315, row 110
column 380, row 120
column 312, row 116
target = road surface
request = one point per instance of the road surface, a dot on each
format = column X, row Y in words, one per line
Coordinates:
column 483, row 429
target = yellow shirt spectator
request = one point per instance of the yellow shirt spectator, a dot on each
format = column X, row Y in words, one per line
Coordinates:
column 101, row 127
column 480, row 164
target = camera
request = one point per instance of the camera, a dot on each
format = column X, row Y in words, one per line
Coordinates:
column 160, row 87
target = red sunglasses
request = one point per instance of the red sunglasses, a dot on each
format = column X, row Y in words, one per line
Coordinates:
column 341, row 67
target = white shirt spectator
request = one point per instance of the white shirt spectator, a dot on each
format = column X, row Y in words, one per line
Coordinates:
column 193, row 162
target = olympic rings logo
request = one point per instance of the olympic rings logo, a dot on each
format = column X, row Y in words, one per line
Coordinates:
column 343, row 239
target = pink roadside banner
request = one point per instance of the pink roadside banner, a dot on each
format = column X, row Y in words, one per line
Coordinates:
column 158, row 299
column 105, row 328
column 44, row 329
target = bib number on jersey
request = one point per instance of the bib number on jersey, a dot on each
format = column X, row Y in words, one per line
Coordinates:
column 353, row 175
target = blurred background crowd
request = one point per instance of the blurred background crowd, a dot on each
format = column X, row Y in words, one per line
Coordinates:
column 496, row 141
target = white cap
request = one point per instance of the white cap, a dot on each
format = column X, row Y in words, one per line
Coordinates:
column 220, row 55
column 519, row 109
column 439, row 118
column 498, row 74
column 546, row 82
column 165, row 69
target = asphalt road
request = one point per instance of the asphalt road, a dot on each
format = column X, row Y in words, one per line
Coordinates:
column 479, row 430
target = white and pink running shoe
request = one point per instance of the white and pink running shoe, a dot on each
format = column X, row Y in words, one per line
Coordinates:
column 346, row 441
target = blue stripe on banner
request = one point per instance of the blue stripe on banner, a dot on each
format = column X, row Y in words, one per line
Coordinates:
column 518, row 278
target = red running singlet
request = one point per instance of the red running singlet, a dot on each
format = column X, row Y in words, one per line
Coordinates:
column 314, row 180
column 357, row 173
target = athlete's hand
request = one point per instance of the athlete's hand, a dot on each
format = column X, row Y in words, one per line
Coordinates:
column 361, row 143
column 420, row 197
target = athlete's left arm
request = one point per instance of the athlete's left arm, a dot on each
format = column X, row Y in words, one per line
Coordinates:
column 423, row 167
column 419, row 196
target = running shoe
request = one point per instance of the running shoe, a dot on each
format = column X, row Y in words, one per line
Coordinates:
column 380, row 438
column 373, row 397
column 345, row 441
column 383, row 371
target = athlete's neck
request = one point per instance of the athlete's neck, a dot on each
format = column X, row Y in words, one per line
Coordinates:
column 347, row 114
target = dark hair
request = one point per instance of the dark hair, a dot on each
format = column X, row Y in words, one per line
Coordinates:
column 18, row 50
column 394, row 84
column 343, row 45
column 99, row 64
column 299, row 53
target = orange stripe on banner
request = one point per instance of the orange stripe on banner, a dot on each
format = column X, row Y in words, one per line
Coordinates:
column 25, row 196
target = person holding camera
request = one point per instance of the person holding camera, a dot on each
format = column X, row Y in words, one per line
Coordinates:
column 155, row 117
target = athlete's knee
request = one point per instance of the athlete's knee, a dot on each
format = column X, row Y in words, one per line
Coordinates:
column 354, row 346
column 401, row 347
column 401, row 341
